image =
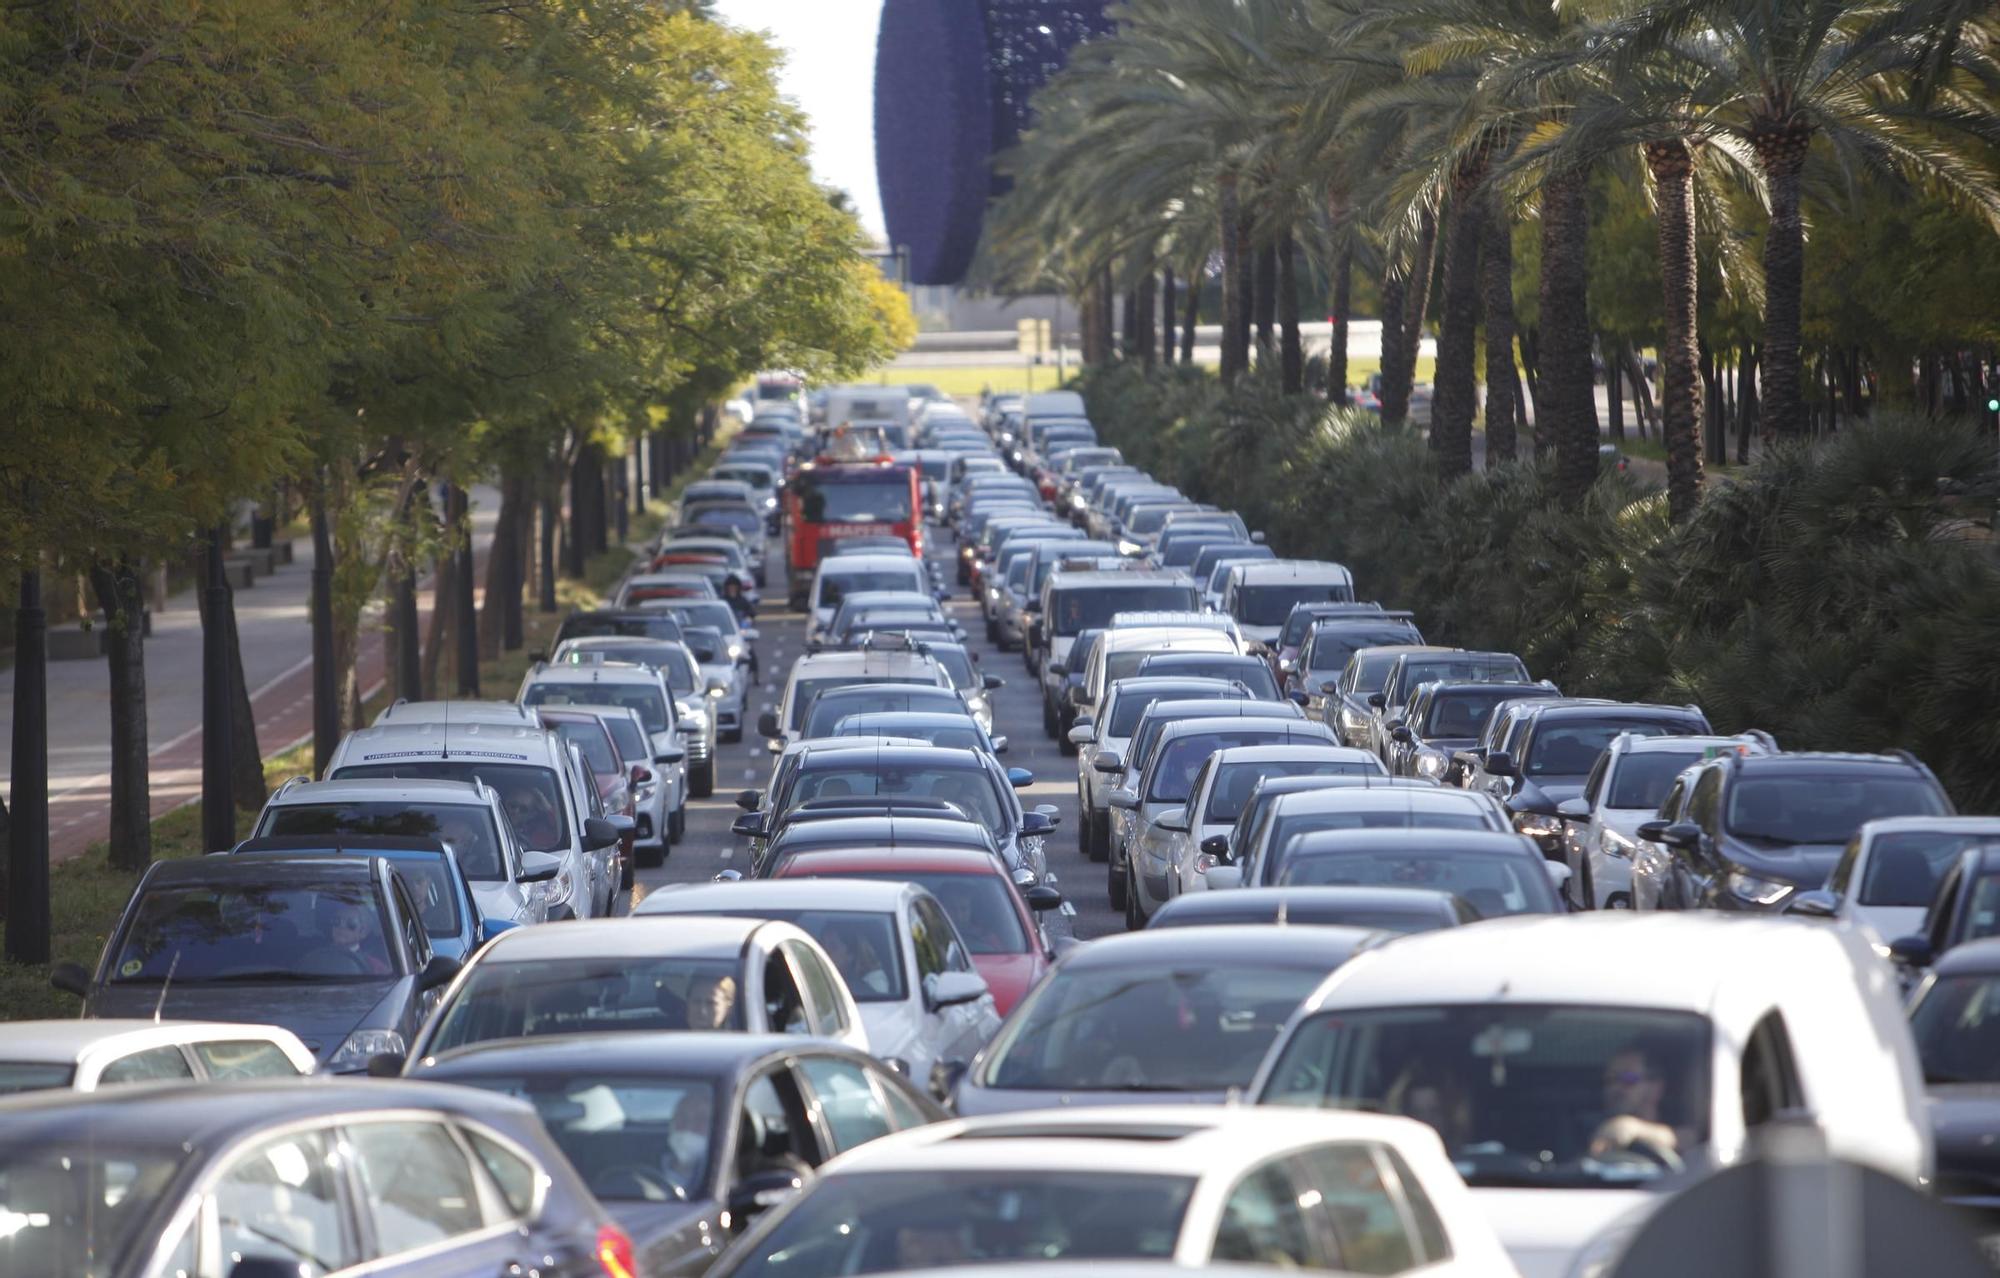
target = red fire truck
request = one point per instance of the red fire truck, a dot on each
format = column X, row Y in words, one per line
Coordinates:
column 828, row 499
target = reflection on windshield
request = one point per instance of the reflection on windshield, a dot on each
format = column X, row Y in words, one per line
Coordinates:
column 468, row 829
column 877, row 1222
column 1174, row 1031
column 969, row 788
column 1234, row 783
column 589, row 995
column 295, row 931
column 1560, row 1097
column 1807, row 810
column 1494, row 884
column 1904, row 867
column 531, row 794
column 1957, row 1028
column 1570, row 748
column 1643, row 779
column 836, row 586
column 68, row 1207
column 980, row 906
column 1331, row 649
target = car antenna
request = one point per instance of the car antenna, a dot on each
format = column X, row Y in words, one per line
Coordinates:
column 165, row 986
column 444, row 742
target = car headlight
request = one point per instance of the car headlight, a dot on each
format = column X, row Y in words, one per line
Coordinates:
column 562, row 887
column 736, row 652
column 1748, row 887
column 1615, row 844
column 1204, row 862
column 1430, row 764
column 1128, row 547
column 718, row 693
column 1537, row 826
column 363, row 1046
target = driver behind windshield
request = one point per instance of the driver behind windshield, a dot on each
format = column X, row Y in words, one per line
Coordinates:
column 1634, row 1091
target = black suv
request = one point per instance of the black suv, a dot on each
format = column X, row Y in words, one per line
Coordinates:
column 1755, row 831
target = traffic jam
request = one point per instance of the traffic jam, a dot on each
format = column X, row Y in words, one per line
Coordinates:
column 743, row 940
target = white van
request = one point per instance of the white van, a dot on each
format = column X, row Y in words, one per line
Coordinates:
column 1054, row 404
column 885, row 406
column 1261, row 595
column 1581, row 1069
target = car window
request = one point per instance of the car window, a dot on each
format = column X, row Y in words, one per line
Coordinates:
column 847, row 1101
column 244, row 1058
column 929, row 945
column 281, row 1200
column 1356, row 1210
column 1430, row 1226
column 902, row 1110
column 155, row 1065
column 820, row 988
column 784, row 1007
column 417, row 1184
column 1595, row 782
column 415, row 942
column 772, row 1131
column 1770, row 1076
column 1701, row 804
column 1263, row 1225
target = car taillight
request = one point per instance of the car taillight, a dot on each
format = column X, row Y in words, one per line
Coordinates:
column 641, row 775
column 614, row 1252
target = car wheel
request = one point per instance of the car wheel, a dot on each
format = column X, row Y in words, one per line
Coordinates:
column 1115, row 885
column 677, row 824
column 648, row 857
column 1100, row 837
column 732, row 737
column 992, row 631
column 1048, row 718
column 701, row 779
column 1135, row 912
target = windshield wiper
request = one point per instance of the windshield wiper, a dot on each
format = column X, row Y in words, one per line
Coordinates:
column 273, row 974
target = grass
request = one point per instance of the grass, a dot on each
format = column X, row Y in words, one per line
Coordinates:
column 86, row 894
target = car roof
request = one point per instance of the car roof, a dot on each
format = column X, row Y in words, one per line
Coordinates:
column 836, row 861
column 1976, row 958
column 386, row 743
column 1210, row 947
column 1120, row 580
column 628, row 937
column 1379, row 797
column 898, row 756
column 1224, row 708
column 861, row 661
column 864, row 829
column 868, row 562
column 1415, row 900
column 869, row 896
column 619, row 672
column 1807, row 762
column 1290, row 751
column 379, row 790
column 252, row 867
column 1231, row 719
column 460, row 711
column 1263, row 572
column 65, row 1040
column 388, row 846
column 1670, row 959
column 1395, row 840
column 711, row 1055
column 1940, row 824
column 1167, row 638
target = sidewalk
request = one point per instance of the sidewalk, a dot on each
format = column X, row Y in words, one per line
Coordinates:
column 275, row 631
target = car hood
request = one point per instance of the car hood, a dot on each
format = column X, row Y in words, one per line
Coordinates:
column 971, row 1102
column 1009, row 976
column 503, row 901
column 1804, row 864
column 1963, row 1119
column 322, row 1015
column 1544, row 1229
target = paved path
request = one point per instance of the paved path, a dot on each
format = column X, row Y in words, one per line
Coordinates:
column 275, row 630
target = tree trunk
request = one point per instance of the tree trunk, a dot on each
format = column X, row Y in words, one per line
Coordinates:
column 520, row 549
column 576, row 543
column 465, row 615
column 1167, row 315
column 1266, row 292
column 1191, row 319
column 500, row 570
column 1393, row 408
column 1565, row 405
column 1614, row 377
column 1417, row 298
column 1106, row 313
column 1781, row 152
column 325, row 678
column 1496, row 289
column 1531, row 352
column 1455, row 400
column 545, row 596
column 1147, row 337
column 1402, row 332
column 131, row 808
column 1291, row 350
column 1343, row 322
column 439, row 636
column 1128, row 324
column 1235, row 302
column 29, row 925
column 619, row 489
column 1642, row 391
column 1746, row 403
column 406, row 644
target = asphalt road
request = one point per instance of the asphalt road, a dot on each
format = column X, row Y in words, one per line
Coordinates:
column 709, row 848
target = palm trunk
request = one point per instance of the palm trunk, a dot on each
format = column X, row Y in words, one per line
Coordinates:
column 1147, row 338
column 1235, row 351
column 1672, row 167
column 1191, row 318
column 499, row 570
column 1456, row 399
column 1411, row 297
column 1106, row 317
column 1291, row 350
column 1393, row 373
column 1614, row 385
column 1781, row 151
column 1565, row 405
column 1496, row 288
column 1343, row 302
column 131, row 813
column 1267, row 301
column 1167, row 315
column 1417, row 298
column 1746, row 403
column 1128, row 326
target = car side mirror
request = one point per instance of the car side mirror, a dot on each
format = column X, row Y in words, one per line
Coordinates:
column 386, row 1065
column 1912, row 951
column 1257, row 538
column 1500, row 764
column 767, row 723
column 749, row 800
column 729, row 876
column 1123, row 798
column 1177, row 822
column 1401, row 734
column 71, row 978
column 1082, row 735
column 1108, row 761
column 598, row 833
column 1816, row 904
column 622, row 823
column 1224, row 876
column 992, row 681
column 999, row 745
column 950, row 989
column 1652, row 831
column 1020, row 778
column 752, row 635
column 1217, row 846
column 1377, row 701
column 1574, row 809
column 1042, row 898
column 1057, row 668
column 1033, row 823
column 439, row 971
column 1298, row 696
column 1681, row 834
column 750, row 825
column 539, row 867
column 759, row 1193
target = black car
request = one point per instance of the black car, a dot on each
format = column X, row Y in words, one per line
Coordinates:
column 1962, row 909
column 637, row 623
column 685, row 1138
column 1252, row 672
column 288, row 1177
column 1389, row 909
column 1555, row 749
column 886, row 832
column 1756, row 831
column 1494, row 873
column 331, row 948
column 1955, row 1019
column 1444, row 718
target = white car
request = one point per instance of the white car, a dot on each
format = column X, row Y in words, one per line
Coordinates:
column 652, row 974
column 1261, row 595
column 811, row 674
column 634, row 686
column 1890, row 869
column 1073, row 1190
column 927, row 1010
column 83, row 1056
column 1583, row 1069
column 1632, row 776
column 843, row 575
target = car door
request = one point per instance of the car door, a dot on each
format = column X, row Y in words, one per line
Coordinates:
column 964, row 1027
column 830, row 1011
column 426, row 1206
column 1694, row 867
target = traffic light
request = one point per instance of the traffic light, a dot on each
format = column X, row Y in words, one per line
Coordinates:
column 1993, row 404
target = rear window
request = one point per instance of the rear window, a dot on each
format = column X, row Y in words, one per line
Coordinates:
column 1332, row 648
column 1569, row 747
column 647, row 699
column 1078, row 608
column 466, row 828
column 533, row 795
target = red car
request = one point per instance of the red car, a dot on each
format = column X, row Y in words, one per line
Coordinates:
column 998, row 925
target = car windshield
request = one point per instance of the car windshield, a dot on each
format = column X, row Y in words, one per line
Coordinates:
column 75, row 1207
column 1251, row 672
column 1181, row 761
column 1957, row 1028
column 1463, row 712
column 1904, row 867
column 1331, row 648
column 33, row 1076
column 740, row 518
column 670, row 659
column 595, row 743
column 533, row 795
column 1461, row 668
column 865, row 946
column 882, row 497
column 1079, row 608
column 805, row 691
column 1642, row 778
column 980, row 906
column 1235, row 781
column 951, row 735
column 640, row 625
column 1271, row 605
column 1492, row 883
column 647, row 699
column 468, row 829
column 630, row 738
column 1823, row 808
column 835, row 584
column 642, row 1139
column 713, row 613
column 295, row 930
column 1537, row 1096
column 1371, row 674
column 1569, row 747
column 755, row 476
column 1200, row 1028
column 876, row 1222
column 588, row 995
column 1283, row 829
column 970, row 788
column 705, row 642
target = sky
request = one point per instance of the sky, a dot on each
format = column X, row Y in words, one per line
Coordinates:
column 829, row 48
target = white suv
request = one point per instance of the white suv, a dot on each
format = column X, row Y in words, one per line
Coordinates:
column 637, row 687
